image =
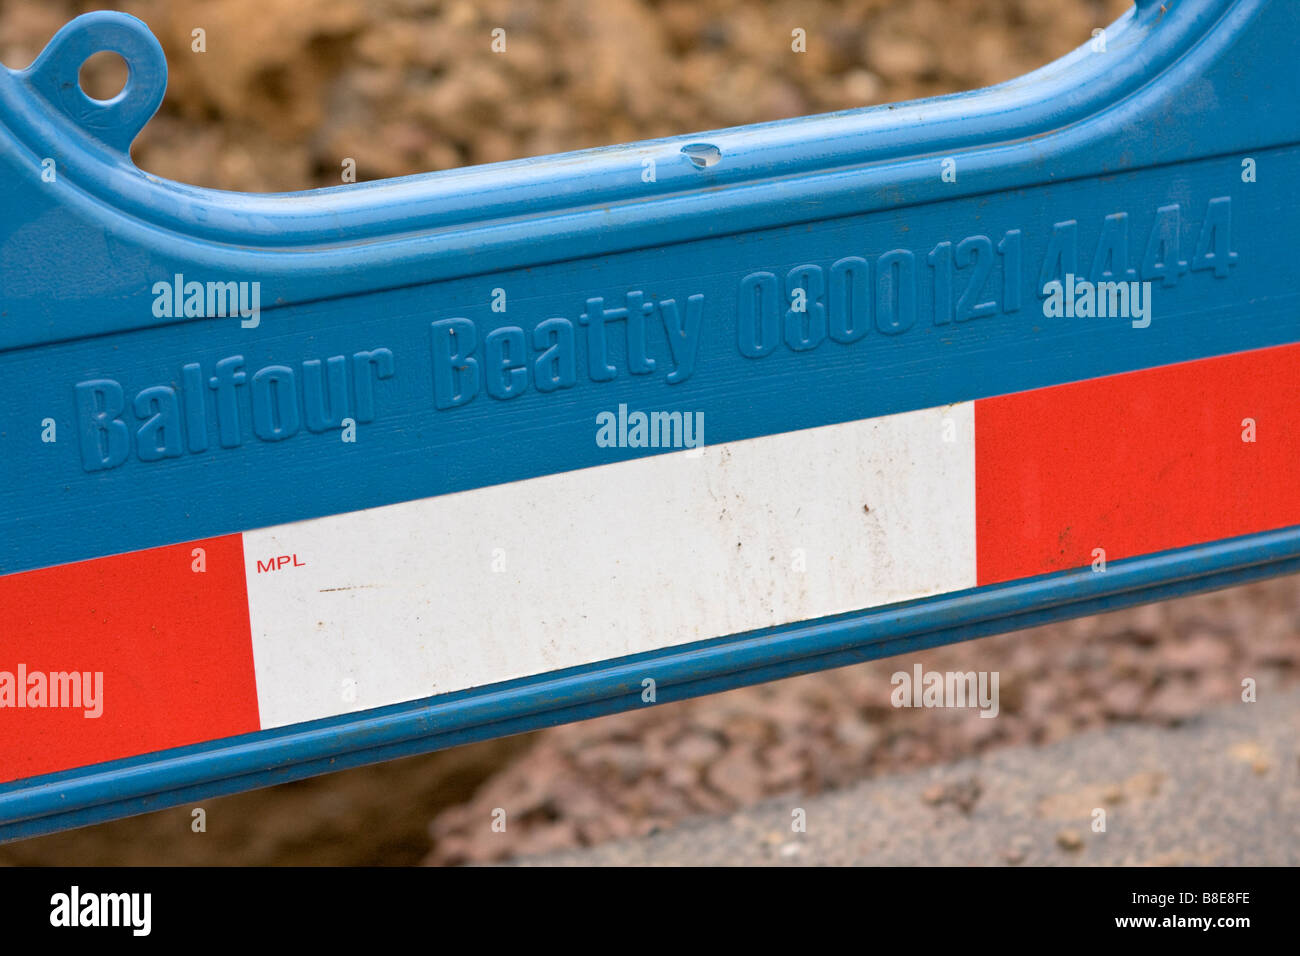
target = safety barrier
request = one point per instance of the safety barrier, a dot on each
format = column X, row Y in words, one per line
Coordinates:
column 294, row 483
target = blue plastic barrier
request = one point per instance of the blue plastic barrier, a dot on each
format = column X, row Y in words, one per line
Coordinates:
column 431, row 370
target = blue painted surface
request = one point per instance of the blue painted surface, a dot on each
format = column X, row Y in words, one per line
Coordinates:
column 76, row 268
column 1162, row 120
column 413, row 450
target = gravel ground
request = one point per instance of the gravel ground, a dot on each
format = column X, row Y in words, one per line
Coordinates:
column 1222, row 791
column 639, row 772
column 288, row 88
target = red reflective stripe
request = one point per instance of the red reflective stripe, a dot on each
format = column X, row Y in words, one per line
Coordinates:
column 1136, row 463
column 173, row 646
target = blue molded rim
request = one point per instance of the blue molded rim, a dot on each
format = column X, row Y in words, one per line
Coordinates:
column 418, row 229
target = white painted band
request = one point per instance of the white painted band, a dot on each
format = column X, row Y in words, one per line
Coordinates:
column 432, row 596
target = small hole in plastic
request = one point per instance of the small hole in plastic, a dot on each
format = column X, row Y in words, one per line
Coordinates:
column 702, row 154
column 103, row 75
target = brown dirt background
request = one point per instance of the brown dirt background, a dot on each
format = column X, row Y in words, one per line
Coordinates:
column 287, row 88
